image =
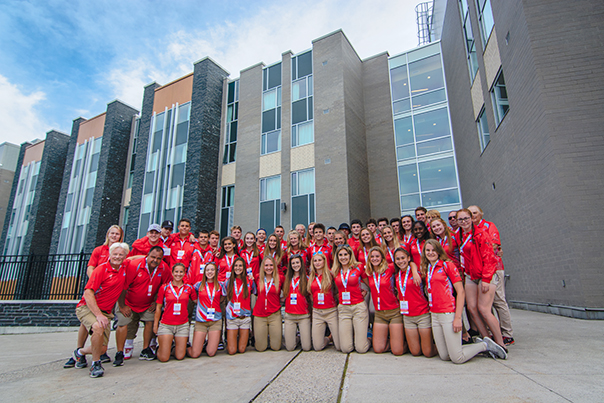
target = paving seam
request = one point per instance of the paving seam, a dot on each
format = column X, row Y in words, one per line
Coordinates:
column 534, row 381
column 276, row 376
column 343, row 383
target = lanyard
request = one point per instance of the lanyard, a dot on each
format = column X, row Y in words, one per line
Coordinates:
column 174, row 292
column 419, row 249
column 390, row 253
column 406, row 238
column 229, row 264
column 238, row 293
column 345, row 281
column 403, row 286
column 443, row 242
column 249, row 256
column 295, row 284
column 267, row 287
column 466, row 241
column 430, row 273
column 377, row 282
column 319, row 284
column 149, row 272
column 211, row 298
column 365, row 253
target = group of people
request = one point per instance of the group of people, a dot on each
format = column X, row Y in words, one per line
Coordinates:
column 393, row 285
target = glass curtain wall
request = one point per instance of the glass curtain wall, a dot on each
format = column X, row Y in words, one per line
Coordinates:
column 469, row 38
column 80, row 196
column 165, row 171
column 303, row 197
column 270, row 203
column 227, row 210
column 427, row 169
column 302, row 100
column 271, row 109
column 19, row 219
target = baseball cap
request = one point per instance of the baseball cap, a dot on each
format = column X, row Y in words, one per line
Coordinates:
column 167, row 224
column 154, row 227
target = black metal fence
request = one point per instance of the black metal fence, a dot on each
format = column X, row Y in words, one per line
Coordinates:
column 35, row 277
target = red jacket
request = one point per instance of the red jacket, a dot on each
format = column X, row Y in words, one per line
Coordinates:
column 476, row 254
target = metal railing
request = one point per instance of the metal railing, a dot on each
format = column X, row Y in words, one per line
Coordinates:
column 46, row 277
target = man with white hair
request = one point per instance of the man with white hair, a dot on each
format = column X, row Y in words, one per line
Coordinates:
column 95, row 309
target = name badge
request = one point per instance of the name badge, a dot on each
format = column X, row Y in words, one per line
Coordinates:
column 228, row 275
column 181, row 253
column 237, row 308
column 346, row 297
column 177, row 309
column 211, row 312
column 249, row 271
column 405, row 307
column 321, row 298
column 430, row 299
column 202, row 268
column 463, row 264
column 149, row 290
column 293, row 299
column 166, row 251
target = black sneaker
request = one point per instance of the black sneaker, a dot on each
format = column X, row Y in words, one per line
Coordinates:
column 105, row 358
column 70, row 363
column 97, row 370
column 80, row 360
column 119, row 359
column 508, row 341
column 147, row 354
column 221, row 346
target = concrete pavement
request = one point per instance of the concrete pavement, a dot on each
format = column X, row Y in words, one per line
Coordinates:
column 555, row 359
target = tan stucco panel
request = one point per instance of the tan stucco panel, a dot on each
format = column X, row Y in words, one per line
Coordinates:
column 228, row 174
column 492, row 60
column 270, row 165
column 34, row 153
column 302, row 157
column 477, row 95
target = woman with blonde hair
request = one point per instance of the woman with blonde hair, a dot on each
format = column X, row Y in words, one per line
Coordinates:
column 353, row 314
column 446, row 309
column 238, row 291
column 294, row 246
column 389, row 243
column 273, row 249
column 297, row 314
column 366, row 242
column 267, row 311
column 388, row 318
column 325, row 313
column 441, row 232
column 251, row 254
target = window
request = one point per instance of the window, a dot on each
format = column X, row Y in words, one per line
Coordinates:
column 227, row 209
column 230, row 146
column 270, row 203
column 469, row 39
column 271, row 109
column 499, row 96
column 166, row 165
column 302, row 100
column 483, row 129
column 485, row 18
column 303, row 197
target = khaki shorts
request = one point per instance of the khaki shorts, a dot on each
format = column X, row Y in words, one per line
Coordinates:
column 390, row 317
column 478, row 281
column 174, row 330
column 88, row 319
column 417, row 322
column 145, row 316
column 208, row 326
column 239, row 323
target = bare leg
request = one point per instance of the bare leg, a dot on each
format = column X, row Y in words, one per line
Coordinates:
column 165, row 347
column 244, row 335
column 232, row 341
column 380, row 337
column 213, row 340
column 180, row 350
column 428, row 348
column 485, row 303
column 397, row 338
column 197, row 346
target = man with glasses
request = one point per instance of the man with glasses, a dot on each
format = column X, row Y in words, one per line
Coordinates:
column 453, row 221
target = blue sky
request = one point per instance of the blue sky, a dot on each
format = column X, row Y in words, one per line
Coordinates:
column 63, row 59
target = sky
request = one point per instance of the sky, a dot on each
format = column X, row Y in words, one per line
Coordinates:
column 60, row 60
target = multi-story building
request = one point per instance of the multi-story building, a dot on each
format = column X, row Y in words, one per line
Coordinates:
column 92, row 182
column 313, row 138
column 34, row 196
column 175, row 156
column 525, row 86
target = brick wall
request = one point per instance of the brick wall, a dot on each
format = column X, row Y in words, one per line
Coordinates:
column 38, row 313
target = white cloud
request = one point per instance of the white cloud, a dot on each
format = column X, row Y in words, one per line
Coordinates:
column 20, row 120
column 371, row 26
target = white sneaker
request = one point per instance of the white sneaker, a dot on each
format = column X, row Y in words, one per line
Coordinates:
column 495, row 348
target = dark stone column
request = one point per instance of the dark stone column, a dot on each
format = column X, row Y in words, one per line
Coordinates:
column 111, row 173
column 199, row 204
column 140, row 163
